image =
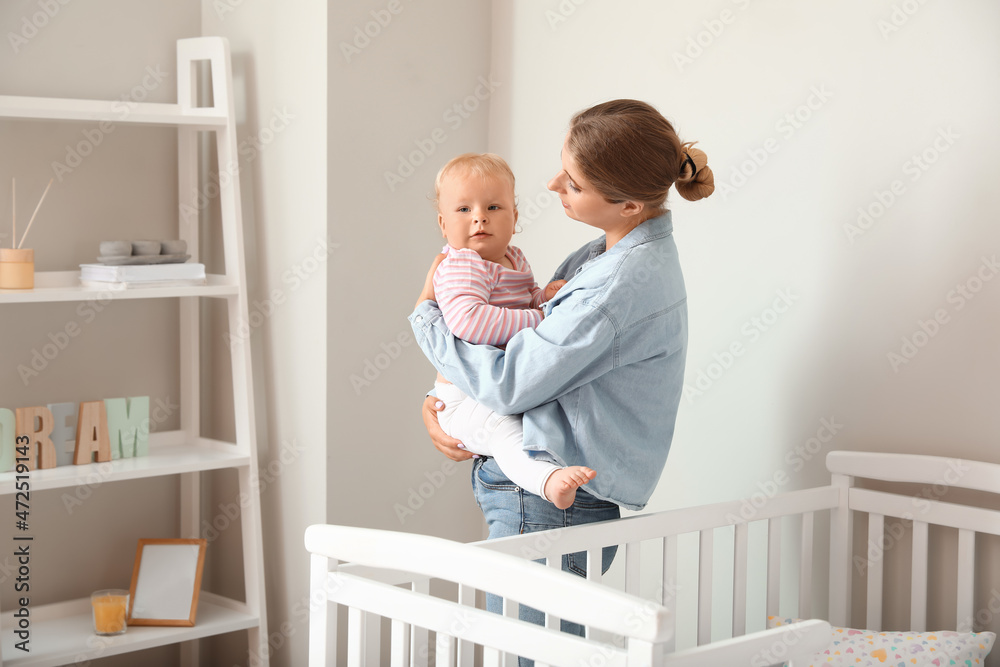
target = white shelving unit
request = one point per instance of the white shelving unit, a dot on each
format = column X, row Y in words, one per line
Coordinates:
column 61, row 633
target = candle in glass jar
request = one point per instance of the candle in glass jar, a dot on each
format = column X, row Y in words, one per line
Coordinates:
column 110, row 608
column 17, row 268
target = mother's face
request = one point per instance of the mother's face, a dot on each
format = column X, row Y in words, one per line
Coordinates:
column 580, row 199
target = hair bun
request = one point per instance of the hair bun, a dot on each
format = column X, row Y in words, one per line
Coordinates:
column 696, row 180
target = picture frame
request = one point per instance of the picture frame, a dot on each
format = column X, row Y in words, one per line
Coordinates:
column 166, row 581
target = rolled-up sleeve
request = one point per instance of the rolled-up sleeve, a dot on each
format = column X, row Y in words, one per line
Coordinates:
column 569, row 348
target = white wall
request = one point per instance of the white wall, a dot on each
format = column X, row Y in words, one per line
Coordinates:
column 279, row 67
column 783, row 229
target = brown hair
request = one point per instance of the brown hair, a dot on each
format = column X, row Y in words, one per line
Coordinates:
column 484, row 165
column 630, row 152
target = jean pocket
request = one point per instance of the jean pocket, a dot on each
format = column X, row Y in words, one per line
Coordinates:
column 489, row 475
column 595, row 508
column 577, row 563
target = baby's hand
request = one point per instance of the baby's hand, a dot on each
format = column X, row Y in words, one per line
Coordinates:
column 552, row 288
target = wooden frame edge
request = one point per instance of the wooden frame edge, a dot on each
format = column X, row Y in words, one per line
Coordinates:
column 199, row 568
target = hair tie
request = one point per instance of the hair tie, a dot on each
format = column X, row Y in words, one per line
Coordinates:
column 687, row 159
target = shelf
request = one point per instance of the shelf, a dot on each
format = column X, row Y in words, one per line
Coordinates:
column 65, row 286
column 63, row 634
column 117, row 111
column 168, row 454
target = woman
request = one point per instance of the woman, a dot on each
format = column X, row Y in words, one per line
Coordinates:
column 600, row 379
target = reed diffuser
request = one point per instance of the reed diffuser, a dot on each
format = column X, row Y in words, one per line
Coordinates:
column 17, row 264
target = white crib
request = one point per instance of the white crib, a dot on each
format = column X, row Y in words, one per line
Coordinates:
column 381, row 575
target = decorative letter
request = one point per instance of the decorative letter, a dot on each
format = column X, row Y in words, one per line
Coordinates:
column 8, row 428
column 128, row 426
column 64, row 431
column 41, row 451
column 92, row 434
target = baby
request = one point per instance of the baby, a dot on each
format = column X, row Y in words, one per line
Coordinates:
column 486, row 293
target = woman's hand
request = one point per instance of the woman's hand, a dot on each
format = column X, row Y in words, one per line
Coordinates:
column 445, row 444
column 428, row 292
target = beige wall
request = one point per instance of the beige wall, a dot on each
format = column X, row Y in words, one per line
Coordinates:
column 125, row 187
column 392, row 99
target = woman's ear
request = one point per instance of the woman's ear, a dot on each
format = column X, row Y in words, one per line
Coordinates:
column 631, row 208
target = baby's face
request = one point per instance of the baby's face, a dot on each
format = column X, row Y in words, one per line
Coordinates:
column 477, row 213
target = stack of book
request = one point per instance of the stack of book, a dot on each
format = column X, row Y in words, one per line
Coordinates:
column 103, row 276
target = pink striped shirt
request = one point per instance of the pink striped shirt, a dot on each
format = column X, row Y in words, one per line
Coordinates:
column 483, row 302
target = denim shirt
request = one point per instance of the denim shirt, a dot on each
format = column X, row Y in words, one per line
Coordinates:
column 600, row 379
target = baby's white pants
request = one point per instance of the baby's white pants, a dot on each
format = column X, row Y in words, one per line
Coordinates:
column 484, row 432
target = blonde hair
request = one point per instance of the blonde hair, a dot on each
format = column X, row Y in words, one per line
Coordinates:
column 630, row 152
column 484, row 165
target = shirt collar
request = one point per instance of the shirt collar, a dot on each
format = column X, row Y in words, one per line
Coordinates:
column 651, row 229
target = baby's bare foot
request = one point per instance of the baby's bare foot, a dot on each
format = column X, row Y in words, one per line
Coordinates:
column 561, row 486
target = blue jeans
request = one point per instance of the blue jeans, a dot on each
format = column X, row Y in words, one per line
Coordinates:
column 510, row 510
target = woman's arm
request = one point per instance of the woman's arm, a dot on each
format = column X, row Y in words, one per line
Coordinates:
column 570, row 347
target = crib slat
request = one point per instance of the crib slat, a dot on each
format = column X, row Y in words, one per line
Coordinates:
column 491, row 657
column 466, row 649
column 510, row 610
column 773, row 565
column 594, row 573
column 740, row 580
column 805, row 567
column 876, row 543
column 399, row 653
column 706, row 538
column 322, row 614
column 594, row 565
column 419, row 637
column 632, row 568
column 644, row 653
column 668, row 589
column 918, row 578
column 356, row 639
column 444, row 651
column 552, row 621
column 966, row 579
column 841, row 545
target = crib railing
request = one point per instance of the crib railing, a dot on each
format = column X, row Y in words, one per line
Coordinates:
column 667, row 527
column 614, row 644
column 410, row 641
column 923, row 511
column 589, row 604
column 373, row 591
